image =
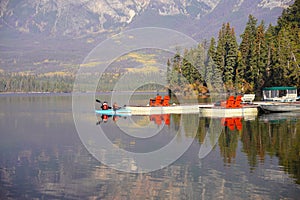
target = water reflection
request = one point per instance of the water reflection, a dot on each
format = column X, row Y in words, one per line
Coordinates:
column 43, row 158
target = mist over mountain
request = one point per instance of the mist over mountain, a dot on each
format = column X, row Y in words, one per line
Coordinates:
column 53, row 33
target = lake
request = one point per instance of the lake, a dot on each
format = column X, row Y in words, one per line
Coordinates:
column 42, row 155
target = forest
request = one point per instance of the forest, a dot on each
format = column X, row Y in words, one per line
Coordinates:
column 15, row 82
column 266, row 56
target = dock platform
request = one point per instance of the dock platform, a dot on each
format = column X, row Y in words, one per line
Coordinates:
column 205, row 110
column 177, row 109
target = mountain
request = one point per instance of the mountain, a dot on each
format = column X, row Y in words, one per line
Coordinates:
column 55, row 32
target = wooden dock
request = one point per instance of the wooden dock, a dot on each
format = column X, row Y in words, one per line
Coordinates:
column 177, row 109
column 205, row 110
column 219, row 112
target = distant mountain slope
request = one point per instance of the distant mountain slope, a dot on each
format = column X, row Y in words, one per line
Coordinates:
column 31, row 24
column 92, row 17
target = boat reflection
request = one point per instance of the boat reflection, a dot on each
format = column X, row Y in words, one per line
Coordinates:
column 157, row 118
column 276, row 118
column 105, row 118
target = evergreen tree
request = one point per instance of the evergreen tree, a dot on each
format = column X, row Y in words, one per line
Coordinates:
column 168, row 71
column 288, row 30
column 225, row 56
column 259, row 57
column 247, row 51
column 189, row 68
column 231, row 49
column 209, row 75
column 240, row 83
column 270, row 74
column 220, row 51
column 290, row 17
column 287, row 59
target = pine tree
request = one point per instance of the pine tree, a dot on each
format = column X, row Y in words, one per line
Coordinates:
column 220, row 51
column 225, row 56
column 247, row 51
column 231, row 48
column 287, row 60
column 209, row 64
column 240, row 83
column 270, row 75
column 259, row 57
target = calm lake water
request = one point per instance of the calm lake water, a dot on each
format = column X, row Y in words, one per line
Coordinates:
column 42, row 156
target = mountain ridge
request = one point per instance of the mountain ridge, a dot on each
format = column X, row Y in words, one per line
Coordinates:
column 63, row 31
column 85, row 18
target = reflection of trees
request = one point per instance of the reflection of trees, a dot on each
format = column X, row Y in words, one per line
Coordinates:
column 228, row 143
column 281, row 140
column 68, row 171
column 175, row 121
column 42, row 172
column 258, row 140
column 191, row 124
column 287, row 142
column 71, row 173
column 251, row 144
column 203, row 127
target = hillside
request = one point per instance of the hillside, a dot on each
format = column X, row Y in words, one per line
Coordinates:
column 43, row 36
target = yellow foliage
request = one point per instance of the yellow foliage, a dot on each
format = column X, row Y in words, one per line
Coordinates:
column 90, row 64
column 146, row 59
column 147, row 69
column 58, row 73
column 26, row 73
column 90, row 40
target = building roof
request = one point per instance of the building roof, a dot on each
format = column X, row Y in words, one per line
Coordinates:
column 280, row 88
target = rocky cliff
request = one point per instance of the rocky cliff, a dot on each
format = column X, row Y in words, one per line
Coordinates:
column 82, row 18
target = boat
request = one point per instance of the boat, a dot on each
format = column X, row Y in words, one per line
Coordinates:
column 280, row 94
column 114, row 110
column 280, row 107
column 119, row 112
column 280, row 99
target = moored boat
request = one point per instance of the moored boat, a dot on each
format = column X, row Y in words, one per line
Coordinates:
column 280, row 94
column 280, row 107
column 279, row 99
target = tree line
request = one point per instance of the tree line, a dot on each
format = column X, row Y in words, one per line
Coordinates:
column 265, row 57
column 15, row 82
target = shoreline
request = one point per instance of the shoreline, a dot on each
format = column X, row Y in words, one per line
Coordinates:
column 35, row 93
